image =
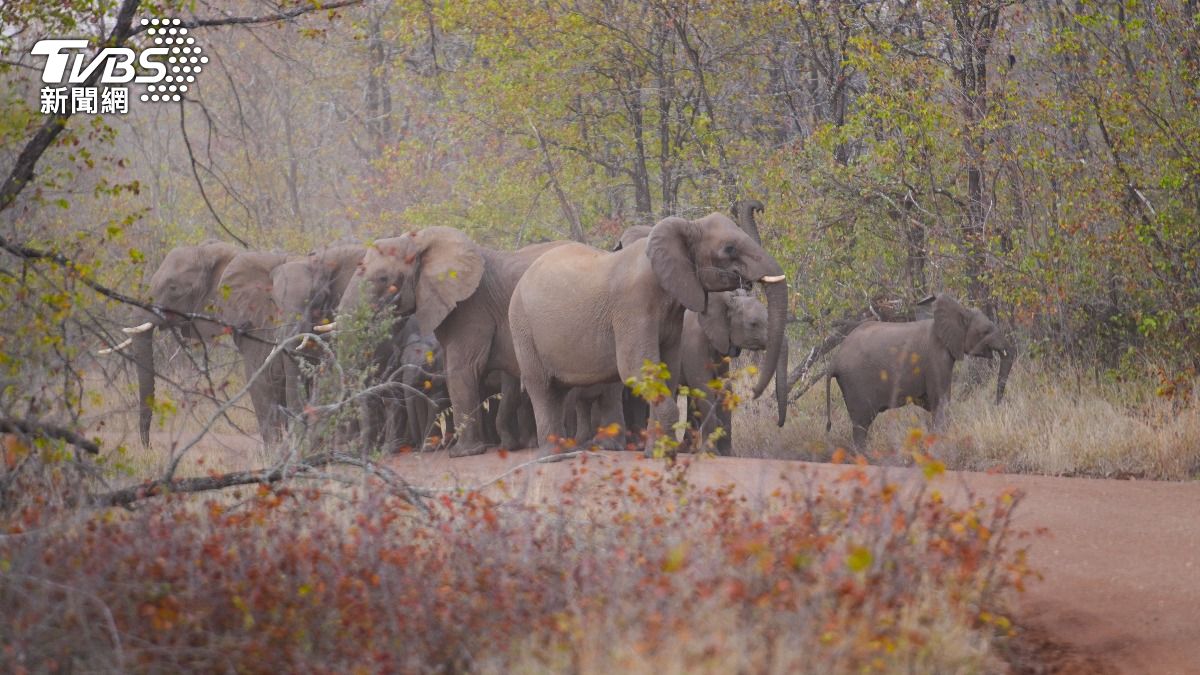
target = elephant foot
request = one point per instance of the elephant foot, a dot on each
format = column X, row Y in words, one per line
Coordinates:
column 464, row 450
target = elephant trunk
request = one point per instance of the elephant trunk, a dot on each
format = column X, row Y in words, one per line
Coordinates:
column 777, row 294
column 781, row 382
column 1007, row 356
column 143, row 359
column 743, row 211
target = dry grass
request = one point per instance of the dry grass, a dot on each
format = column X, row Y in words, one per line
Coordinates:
column 1060, row 424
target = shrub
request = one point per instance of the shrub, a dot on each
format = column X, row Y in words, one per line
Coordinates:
column 632, row 567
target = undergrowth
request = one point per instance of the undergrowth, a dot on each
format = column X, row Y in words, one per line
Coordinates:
column 631, row 568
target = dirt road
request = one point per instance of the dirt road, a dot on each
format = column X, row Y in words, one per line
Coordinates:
column 1121, row 561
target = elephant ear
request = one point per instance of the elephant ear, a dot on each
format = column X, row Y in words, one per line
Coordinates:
column 631, row 235
column 950, row 324
column 670, row 253
column 715, row 321
column 451, row 269
column 216, row 257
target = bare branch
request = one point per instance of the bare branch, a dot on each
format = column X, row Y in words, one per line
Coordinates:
column 43, row 430
column 265, row 18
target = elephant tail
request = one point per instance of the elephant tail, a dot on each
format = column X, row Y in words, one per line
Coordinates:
column 828, row 418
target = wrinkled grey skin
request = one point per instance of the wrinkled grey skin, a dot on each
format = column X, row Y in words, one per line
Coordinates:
column 733, row 321
column 581, row 316
column 459, row 291
column 307, row 292
column 880, row 365
column 425, row 392
column 185, row 283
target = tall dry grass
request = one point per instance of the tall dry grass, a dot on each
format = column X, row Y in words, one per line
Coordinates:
column 1059, row 422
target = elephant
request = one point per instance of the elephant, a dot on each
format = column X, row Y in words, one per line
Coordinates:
column 581, row 316
column 459, row 291
column 732, row 322
column 246, row 303
column 883, row 365
column 307, row 292
column 425, row 393
column 634, row 410
column 184, row 285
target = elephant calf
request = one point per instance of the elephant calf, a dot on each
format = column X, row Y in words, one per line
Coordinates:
column 882, row 365
column 732, row 322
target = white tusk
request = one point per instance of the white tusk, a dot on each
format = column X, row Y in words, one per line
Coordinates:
column 772, row 280
column 116, row 348
column 139, row 329
column 325, row 328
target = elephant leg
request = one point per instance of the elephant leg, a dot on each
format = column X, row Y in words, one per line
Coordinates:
column 861, row 417
column 420, row 419
column 394, row 414
column 526, row 424
column 636, row 413
column 263, row 393
column 507, row 411
column 575, row 418
column 547, row 401
column 724, row 420
column 463, row 379
column 607, row 411
column 665, row 412
column 490, row 416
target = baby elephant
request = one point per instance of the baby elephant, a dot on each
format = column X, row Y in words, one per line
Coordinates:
column 883, row 365
column 733, row 321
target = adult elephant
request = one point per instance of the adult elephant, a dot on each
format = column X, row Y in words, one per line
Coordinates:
column 581, row 316
column 882, row 365
column 307, row 292
column 460, row 292
column 635, row 412
column 185, row 284
column 733, row 321
column 247, row 304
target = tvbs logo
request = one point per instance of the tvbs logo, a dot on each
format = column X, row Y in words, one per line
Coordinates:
column 166, row 69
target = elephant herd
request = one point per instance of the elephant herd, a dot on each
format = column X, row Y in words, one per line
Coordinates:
column 533, row 346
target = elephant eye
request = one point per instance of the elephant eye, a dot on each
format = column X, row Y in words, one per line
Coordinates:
column 730, row 251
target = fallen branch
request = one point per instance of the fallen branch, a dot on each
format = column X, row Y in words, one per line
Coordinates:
column 43, row 430
column 161, row 486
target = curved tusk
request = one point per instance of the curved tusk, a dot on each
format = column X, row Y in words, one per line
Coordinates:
column 116, row 348
column 325, row 328
column 772, row 280
column 139, row 329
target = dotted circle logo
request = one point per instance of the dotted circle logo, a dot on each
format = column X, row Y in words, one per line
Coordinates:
column 184, row 59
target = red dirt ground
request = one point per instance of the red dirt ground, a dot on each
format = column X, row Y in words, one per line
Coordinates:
column 1121, row 563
